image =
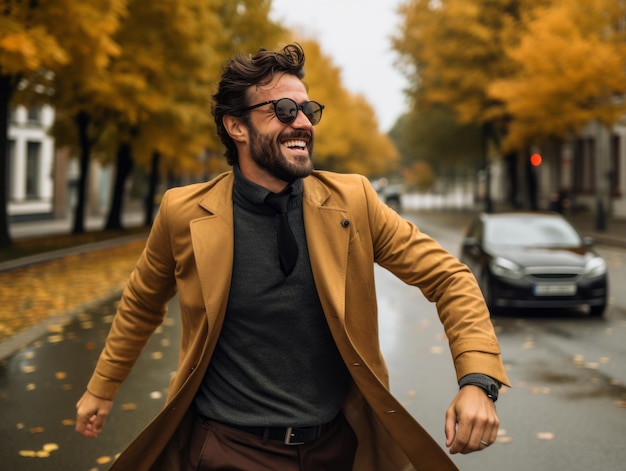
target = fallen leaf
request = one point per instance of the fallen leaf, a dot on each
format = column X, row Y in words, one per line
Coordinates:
column 30, row 387
column 28, row 453
column 29, row 369
column 545, row 436
column 620, row 403
column 68, row 422
column 156, row 395
column 156, row 355
column 42, row 454
column 540, row 390
column 504, row 439
column 129, row 406
column 103, row 460
column 60, row 375
column 90, row 345
column 37, row 430
column 165, row 342
column 50, row 447
column 55, row 338
column 436, row 350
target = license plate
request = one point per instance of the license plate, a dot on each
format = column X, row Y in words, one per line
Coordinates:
column 555, row 290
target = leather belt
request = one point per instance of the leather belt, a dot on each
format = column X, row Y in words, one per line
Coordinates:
column 288, row 435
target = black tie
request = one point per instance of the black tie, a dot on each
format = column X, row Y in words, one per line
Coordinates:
column 287, row 245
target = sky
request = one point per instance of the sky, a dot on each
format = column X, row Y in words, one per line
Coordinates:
column 355, row 35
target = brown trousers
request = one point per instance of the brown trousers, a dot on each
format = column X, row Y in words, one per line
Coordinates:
column 217, row 447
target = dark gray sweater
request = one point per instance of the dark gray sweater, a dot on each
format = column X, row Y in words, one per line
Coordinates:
column 275, row 363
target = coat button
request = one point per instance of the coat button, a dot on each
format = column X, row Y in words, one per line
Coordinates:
column 345, row 223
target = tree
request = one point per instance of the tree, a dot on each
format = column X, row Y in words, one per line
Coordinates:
column 452, row 50
column 37, row 39
column 569, row 70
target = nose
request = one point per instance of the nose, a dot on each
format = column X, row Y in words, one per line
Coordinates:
column 301, row 120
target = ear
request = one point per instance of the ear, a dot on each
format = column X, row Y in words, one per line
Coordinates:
column 236, row 128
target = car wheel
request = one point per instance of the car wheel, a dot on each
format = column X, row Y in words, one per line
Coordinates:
column 597, row 311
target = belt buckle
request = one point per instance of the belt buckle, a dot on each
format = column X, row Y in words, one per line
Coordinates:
column 288, row 435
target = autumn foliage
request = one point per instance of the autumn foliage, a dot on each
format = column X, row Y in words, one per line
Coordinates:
column 529, row 69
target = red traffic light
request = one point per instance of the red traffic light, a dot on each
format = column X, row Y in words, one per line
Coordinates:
column 535, row 160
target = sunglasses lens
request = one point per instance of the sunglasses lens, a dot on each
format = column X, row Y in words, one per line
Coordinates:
column 313, row 111
column 286, row 110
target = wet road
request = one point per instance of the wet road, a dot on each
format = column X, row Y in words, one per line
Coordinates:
column 567, row 407
column 565, row 410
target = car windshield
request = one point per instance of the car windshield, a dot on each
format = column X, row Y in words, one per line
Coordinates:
column 540, row 231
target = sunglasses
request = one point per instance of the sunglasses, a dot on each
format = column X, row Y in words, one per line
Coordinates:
column 286, row 110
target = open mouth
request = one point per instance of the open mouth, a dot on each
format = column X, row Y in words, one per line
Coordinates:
column 295, row 144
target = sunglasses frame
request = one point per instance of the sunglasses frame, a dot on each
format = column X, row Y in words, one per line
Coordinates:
column 299, row 107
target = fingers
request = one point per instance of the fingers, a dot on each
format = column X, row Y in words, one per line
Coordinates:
column 471, row 422
column 91, row 415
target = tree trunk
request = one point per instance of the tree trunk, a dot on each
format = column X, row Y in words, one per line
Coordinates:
column 82, row 122
column 6, row 90
column 124, row 164
column 152, row 186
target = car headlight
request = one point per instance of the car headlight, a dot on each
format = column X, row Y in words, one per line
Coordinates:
column 594, row 268
column 506, row 268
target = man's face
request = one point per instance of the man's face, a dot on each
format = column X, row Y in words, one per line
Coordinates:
column 282, row 150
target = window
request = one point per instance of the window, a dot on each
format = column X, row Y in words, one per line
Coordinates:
column 33, row 164
column 34, row 115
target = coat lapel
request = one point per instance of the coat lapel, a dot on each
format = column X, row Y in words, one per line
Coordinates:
column 327, row 228
column 213, row 245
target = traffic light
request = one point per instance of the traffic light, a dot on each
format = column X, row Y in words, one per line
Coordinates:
column 535, row 160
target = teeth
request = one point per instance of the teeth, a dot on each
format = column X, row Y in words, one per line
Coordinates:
column 295, row 144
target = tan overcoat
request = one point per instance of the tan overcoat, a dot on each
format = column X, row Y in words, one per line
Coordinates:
column 190, row 253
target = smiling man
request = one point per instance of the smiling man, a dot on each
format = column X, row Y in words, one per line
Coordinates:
column 273, row 264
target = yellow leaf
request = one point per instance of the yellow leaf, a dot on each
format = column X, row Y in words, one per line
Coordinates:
column 60, row 375
column 129, row 406
column 49, row 447
column 103, row 460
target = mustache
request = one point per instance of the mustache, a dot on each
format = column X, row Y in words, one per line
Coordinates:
column 298, row 135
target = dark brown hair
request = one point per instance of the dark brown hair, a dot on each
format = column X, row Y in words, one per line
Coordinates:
column 242, row 72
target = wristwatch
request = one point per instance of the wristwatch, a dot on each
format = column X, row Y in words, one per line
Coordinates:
column 486, row 383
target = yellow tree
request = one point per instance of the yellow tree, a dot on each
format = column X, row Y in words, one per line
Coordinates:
column 451, row 50
column 36, row 40
column 569, row 71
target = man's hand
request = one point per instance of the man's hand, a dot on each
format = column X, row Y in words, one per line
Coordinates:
column 91, row 413
column 471, row 421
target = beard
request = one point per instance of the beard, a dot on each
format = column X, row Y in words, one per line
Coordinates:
column 266, row 153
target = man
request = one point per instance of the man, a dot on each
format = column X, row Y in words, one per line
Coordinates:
column 280, row 367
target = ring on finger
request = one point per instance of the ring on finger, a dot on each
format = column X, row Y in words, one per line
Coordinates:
column 484, row 443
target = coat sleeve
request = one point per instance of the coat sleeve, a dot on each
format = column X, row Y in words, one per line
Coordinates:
column 141, row 310
column 418, row 260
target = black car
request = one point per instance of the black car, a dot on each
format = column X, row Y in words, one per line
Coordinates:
column 534, row 260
